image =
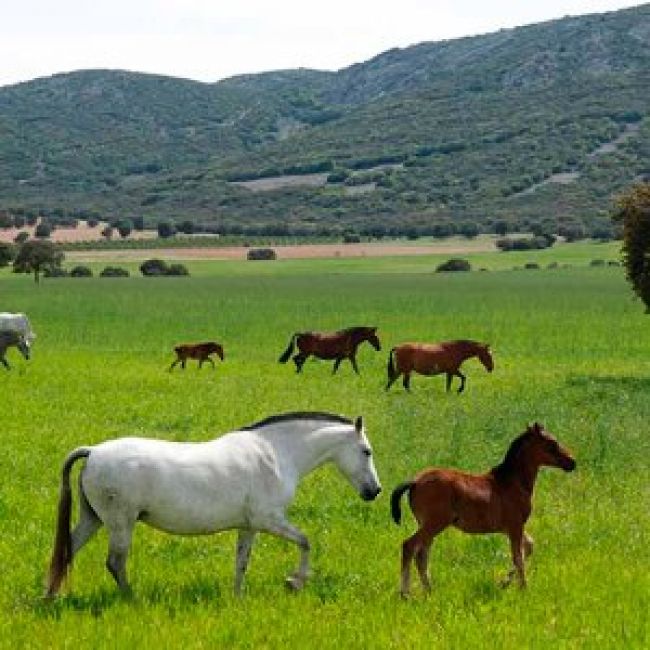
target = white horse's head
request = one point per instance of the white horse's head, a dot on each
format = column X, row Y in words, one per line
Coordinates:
column 354, row 460
column 24, row 347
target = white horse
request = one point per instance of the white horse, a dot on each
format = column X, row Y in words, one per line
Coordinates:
column 17, row 323
column 9, row 338
column 243, row 480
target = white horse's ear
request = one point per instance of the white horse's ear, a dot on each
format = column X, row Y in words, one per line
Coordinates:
column 358, row 425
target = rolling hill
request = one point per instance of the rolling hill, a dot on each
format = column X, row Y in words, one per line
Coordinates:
column 544, row 123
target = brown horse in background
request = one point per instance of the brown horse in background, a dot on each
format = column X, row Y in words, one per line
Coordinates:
column 496, row 502
column 434, row 359
column 199, row 351
column 330, row 345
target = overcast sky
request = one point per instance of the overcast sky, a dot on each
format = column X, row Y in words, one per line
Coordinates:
column 208, row 40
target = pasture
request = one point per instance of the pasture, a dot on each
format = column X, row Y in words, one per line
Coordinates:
column 571, row 349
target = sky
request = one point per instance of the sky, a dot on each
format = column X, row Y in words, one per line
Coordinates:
column 208, row 40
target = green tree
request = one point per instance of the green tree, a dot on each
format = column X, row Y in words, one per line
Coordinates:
column 7, row 253
column 43, row 230
column 166, row 229
column 35, row 256
column 125, row 227
column 633, row 212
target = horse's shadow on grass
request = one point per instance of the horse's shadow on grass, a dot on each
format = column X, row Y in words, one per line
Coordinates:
column 621, row 382
column 199, row 591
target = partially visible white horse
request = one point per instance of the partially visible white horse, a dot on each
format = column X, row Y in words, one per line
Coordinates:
column 8, row 339
column 17, row 323
column 243, row 480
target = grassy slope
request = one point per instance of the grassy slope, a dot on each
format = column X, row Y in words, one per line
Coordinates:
column 571, row 350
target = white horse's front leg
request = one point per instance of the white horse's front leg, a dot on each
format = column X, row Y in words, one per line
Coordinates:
column 245, row 540
column 284, row 529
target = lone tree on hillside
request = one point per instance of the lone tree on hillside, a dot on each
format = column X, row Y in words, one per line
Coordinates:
column 633, row 212
column 36, row 255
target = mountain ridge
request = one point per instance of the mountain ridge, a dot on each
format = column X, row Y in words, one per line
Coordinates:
column 443, row 131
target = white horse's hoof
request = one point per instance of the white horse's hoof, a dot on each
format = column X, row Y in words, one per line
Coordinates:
column 294, row 583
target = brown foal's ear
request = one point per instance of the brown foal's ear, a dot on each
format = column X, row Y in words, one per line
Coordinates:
column 537, row 427
column 358, row 425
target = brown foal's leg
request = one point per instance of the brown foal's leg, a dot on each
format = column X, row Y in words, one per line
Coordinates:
column 418, row 546
column 527, row 542
column 422, row 564
column 299, row 359
column 392, row 378
column 518, row 542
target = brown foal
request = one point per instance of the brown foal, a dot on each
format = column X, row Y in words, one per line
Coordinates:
column 496, row 502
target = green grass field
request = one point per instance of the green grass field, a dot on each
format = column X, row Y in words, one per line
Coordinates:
column 572, row 350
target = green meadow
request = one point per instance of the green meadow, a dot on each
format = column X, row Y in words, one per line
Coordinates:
column 572, row 350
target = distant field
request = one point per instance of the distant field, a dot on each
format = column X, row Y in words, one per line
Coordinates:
column 422, row 256
column 572, row 350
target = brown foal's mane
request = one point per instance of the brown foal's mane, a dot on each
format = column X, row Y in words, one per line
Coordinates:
column 506, row 468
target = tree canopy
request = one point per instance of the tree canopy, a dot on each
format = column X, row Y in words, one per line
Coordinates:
column 35, row 256
column 633, row 212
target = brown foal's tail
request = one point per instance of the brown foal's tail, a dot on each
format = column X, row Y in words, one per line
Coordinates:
column 395, row 507
column 62, row 552
column 289, row 351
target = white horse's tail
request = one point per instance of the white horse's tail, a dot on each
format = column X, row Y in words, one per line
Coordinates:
column 62, row 552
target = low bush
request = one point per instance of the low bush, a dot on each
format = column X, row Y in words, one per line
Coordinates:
column 156, row 267
column 525, row 243
column 454, row 264
column 114, row 272
column 177, row 269
column 55, row 272
column 261, row 254
column 81, row 272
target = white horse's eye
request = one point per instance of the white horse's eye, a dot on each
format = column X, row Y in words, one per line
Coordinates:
column 367, row 452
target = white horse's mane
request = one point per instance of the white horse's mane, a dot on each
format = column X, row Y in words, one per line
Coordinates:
column 298, row 415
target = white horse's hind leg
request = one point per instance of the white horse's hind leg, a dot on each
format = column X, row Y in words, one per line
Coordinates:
column 245, row 540
column 89, row 523
column 119, row 542
column 285, row 530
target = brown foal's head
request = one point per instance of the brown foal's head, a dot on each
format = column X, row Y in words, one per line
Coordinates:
column 547, row 450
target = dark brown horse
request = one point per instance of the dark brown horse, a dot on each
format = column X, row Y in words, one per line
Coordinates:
column 434, row 359
column 330, row 345
column 198, row 351
column 496, row 502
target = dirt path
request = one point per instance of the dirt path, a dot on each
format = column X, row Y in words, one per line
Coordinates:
column 304, row 251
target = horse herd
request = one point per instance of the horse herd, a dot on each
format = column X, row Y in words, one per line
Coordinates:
column 246, row 479
column 404, row 359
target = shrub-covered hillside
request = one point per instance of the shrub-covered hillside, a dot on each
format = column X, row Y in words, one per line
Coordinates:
column 537, row 124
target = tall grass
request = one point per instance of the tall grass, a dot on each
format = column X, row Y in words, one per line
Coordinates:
column 571, row 349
